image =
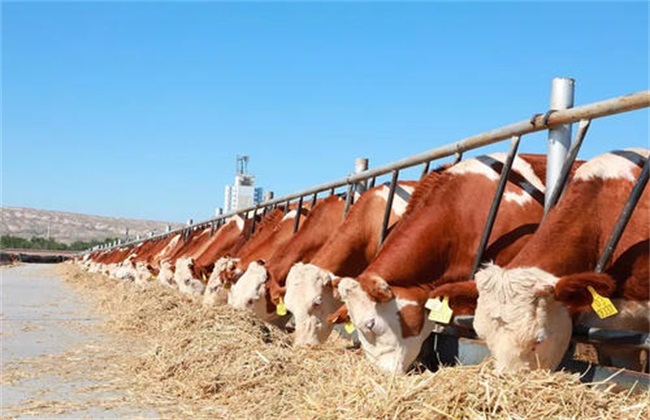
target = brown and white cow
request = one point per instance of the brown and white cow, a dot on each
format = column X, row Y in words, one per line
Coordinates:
column 436, row 244
column 259, row 279
column 525, row 308
column 260, row 249
column 350, row 248
column 194, row 267
column 225, row 268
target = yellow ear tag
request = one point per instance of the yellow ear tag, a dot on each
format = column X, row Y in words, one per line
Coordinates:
column 203, row 276
column 281, row 309
column 602, row 306
column 349, row 327
column 227, row 285
column 440, row 310
column 154, row 277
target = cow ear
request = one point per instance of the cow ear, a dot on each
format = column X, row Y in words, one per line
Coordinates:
column 462, row 296
column 573, row 290
column 377, row 289
column 341, row 316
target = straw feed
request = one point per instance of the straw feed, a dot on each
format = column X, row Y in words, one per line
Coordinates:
column 222, row 363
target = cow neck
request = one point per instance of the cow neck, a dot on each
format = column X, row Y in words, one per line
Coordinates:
column 322, row 221
column 222, row 240
column 349, row 250
column 436, row 242
column 565, row 244
column 562, row 246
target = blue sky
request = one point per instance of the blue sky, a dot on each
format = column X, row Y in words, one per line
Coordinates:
column 139, row 109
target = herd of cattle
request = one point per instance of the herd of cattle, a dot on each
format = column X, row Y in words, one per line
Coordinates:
column 537, row 279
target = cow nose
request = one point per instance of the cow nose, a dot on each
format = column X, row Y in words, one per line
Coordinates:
column 370, row 324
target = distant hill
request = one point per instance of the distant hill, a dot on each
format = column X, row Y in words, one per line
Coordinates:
column 69, row 227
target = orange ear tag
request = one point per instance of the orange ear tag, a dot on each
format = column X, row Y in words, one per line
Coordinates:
column 440, row 310
column 603, row 307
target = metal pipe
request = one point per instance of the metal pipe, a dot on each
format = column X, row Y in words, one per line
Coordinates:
column 624, row 218
column 496, row 202
column 349, row 197
column 389, row 207
column 425, row 170
column 253, row 222
column 313, row 200
column 286, row 207
column 360, row 165
column 559, row 137
column 372, row 182
column 537, row 123
column 563, row 177
column 296, row 224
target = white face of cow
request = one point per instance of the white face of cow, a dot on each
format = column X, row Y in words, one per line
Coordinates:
column 166, row 275
column 379, row 328
column 142, row 273
column 520, row 320
column 248, row 292
column 184, row 278
column 310, row 299
column 215, row 294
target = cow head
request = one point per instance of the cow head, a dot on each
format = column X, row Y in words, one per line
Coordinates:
column 215, row 293
column 186, row 278
column 386, row 337
column 522, row 314
column 142, row 273
column 166, row 274
column 249, row 292
column 309, row 296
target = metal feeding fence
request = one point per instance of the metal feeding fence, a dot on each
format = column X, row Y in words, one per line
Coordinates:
column 457, row 342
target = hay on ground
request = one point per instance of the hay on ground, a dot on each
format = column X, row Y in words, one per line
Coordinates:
column 225, row 363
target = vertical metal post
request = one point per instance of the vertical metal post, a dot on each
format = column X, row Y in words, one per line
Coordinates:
column 349, row 196
column 189, row 222
column 331, row 191
column 360, row 165
column 314, row 199
column 253, row 221
column 372, row 182
column 286, row 207
column 625, row 216
column 553, row 196
column 298, row 213
column 425, row 169
column 559, row 138
column 496, row 202
column 389, row 206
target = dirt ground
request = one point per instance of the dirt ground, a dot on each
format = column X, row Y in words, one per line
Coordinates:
column 50, row 350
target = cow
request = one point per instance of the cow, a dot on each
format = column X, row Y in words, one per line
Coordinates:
column 194, row 268
column 237, row 240
column 308, row 294
column 252, row 257
column 435, row 244
column 256, row 284
column 526, row 308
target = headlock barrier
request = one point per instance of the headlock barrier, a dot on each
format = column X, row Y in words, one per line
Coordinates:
column 457, row 341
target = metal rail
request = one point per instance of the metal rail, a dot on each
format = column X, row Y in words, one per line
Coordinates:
column 624, row 217
column 537, row 122
column 494, row 207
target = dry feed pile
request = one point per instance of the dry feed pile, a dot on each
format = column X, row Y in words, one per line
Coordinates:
column 224, row 363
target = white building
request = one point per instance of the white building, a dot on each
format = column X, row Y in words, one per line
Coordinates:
column 242, row 193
